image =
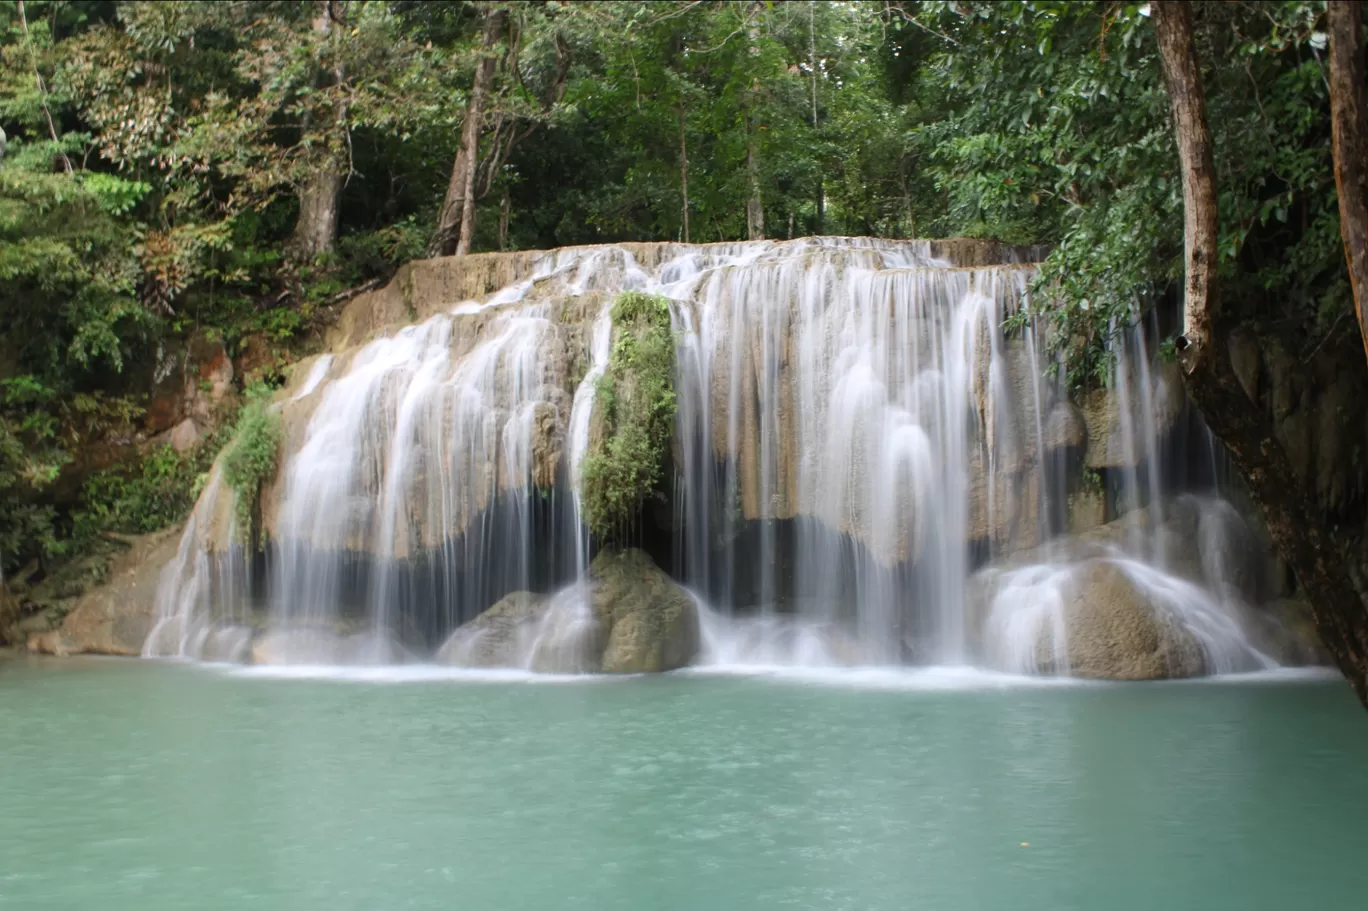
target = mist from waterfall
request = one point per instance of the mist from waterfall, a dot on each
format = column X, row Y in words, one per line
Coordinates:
column 856, row 437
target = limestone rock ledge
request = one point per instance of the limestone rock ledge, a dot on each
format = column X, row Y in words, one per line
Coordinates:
column 115, row 618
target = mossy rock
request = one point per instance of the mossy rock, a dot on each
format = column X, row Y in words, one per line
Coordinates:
column 651, row 622
column 634, row 415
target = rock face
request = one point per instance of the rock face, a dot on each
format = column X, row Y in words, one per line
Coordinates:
column 502, row 636
column 651, row 623
column 1104, row 413
column 116, row 617
column 1116, row 631
column 630, row 619
column 193, row 385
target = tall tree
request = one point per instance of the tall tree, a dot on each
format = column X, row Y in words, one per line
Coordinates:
column 315, row 232
column 1338, row 609
column 1349, row 123
column 755, row 204
column 456, row 220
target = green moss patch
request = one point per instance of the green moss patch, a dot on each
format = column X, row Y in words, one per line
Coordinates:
column 252, row 455
column 629, row 451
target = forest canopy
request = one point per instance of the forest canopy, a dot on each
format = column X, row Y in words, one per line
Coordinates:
column 236, row 167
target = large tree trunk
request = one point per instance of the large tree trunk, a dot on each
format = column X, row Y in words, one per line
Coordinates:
column 1349, row 125
column 1320, row 566
column 456, row 221
column 315, row 231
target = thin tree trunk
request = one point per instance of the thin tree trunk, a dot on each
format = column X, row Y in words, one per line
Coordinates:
column 504, row 206
column 907, row 199
column 315, row 231
column 456, row 221
column 755, row 206
column 1349, row 127
column 812, row 65
column 1338, row 610
column 40, row 84
column 684, row 172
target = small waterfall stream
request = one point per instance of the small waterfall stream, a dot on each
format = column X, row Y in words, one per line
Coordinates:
column 858, row 447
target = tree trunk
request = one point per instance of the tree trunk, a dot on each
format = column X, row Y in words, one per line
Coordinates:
column 315, row 231
column 504, row 207
column 821, row 205
column 1338, row 610
column 1349, row 126
column 755, row 207
column 684, row 172
column 456, row 221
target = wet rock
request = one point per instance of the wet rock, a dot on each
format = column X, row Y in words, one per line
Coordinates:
column 230, row 644
column 630, row 618
column 1065, row 427
column 651, row 623
column 1288, row 632
column 1087, row 510
column 502, row 636
column 116, row 617
column 1105, row 417
column 1116, row 630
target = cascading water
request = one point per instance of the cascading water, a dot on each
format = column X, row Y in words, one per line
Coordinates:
column 855, row 438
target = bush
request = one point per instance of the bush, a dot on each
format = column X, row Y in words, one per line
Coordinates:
column 636, row 394
column 148, row 495
column 252, row 455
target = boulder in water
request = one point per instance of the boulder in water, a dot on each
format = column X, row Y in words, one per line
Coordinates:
column 650, row 621
column 1116, row 630
column 500, row 637
column 631, row 618
column 1101, row 618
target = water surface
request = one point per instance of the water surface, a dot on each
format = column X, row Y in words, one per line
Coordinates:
column 140, row 785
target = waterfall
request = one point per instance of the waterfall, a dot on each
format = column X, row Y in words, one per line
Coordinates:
column 857, row 444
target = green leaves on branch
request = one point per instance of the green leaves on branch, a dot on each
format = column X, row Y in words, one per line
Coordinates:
column 635, row 404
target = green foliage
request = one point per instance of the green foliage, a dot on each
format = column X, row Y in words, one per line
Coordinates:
column 636, row 400
column 1049, row 124
column 160, row 155
column 251, row 457
column 153, row 493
